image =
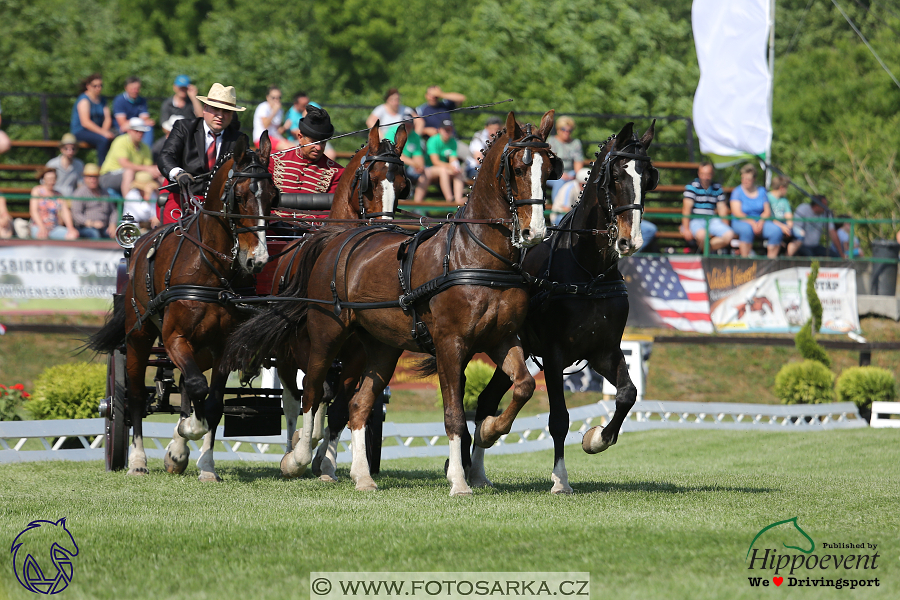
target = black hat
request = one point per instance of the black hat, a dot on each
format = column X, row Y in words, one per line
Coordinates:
column 316, row 124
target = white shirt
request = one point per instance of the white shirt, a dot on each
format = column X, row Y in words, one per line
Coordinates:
column 265, row 111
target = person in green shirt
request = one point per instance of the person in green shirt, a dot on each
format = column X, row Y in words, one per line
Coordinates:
column 413, row 156
column 442, row 165
column 781, row 210
column 127, row 155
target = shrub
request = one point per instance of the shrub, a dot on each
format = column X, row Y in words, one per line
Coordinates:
column 11, row 399
column 478, row 374
column 808, row 382
column 864, row 385
column 812, row 297
column 808, row 347
column 70, row 391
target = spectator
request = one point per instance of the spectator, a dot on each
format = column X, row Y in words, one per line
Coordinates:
column 568, row 194
column 568, row 150
column 184, row 102
column 704, row 197
column 130, row 104
column 781, row 210
column 4, row 139
column 167, row 126
column 296, row 112
column 436, row 101
column 141, row 201
column 749, row 209
column 413, row 156
column 843, row 232
column 388, row 114
column 50, row 216
column 270, row 116
column 811, row 244
column 93, row 219
column 68, row 168
column 91, row 120
column 479, row 143
column 6, row 229
column 127, row 155
column 442, row 165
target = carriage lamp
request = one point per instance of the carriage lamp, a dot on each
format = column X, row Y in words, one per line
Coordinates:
column 127, row 232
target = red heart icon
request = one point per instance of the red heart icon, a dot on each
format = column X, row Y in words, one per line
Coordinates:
column 778, row 580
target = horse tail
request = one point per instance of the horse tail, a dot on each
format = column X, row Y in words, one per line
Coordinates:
column 112, row 334
column 273, row 328
column 425, row 367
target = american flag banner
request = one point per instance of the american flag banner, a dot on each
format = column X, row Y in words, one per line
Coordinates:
column 673, row 288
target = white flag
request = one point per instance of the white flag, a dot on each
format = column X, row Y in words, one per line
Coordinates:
column 731, row 105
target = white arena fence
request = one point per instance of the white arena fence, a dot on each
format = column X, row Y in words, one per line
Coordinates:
column 406, row 440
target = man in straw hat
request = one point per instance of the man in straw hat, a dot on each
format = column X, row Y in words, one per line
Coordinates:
column 305, row 169
column 194, row 145
column 68, row 168
column 94, row 218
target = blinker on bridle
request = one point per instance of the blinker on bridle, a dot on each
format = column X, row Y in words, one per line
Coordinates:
column 529, row 143
column 255, row 171
column 361, row 180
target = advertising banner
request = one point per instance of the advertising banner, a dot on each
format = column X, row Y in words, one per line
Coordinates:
column 57, row 276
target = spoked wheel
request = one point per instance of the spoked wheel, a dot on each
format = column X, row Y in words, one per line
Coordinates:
column 116, row 428
column 374, row 428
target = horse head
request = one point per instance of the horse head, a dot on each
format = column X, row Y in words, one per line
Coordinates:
column 620, row 179
column 378, row 181
column 517, row 163
column 250, row 193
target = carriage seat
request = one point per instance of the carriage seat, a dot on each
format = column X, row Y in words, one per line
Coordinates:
column 306, row 201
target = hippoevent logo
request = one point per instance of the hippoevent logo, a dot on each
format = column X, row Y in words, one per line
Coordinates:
column 844, row 564
column 42, row 557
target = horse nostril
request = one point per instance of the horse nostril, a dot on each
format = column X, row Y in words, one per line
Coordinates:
column 526, row 233
column 623, row 244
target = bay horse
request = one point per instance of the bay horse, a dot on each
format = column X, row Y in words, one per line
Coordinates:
column 579, row 302
column 460, row 292
column 373, row 181
column 180, row 279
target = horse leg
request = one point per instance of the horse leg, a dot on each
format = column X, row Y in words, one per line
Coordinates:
column 558, row 424
column 289, row 400
column 379, row 370
column 450, row 373
column 178, row 453
column 488, row 402
column 325, row 461
column 136, row 366
column 215, row 406
column 512, row 361
column 613, row 368
column 194, row 383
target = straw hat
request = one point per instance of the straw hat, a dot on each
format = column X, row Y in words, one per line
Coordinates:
column 92, row 170
column 144, row 181
column 68, row 140
column 222, row 97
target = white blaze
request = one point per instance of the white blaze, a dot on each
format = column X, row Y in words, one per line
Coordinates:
column 537, row 226
column 637, row 239
column 261, row 252
column 388, row 198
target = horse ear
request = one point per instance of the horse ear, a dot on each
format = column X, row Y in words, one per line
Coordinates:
column 513, row 130
column 547, row 123
column 624, row 136
column 240, row 148
column 265, row 147
column 648, row 135
column 400, row 138
column 374, row 138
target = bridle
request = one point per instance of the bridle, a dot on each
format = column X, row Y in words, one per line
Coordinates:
column 603, row 178
column 362, row 180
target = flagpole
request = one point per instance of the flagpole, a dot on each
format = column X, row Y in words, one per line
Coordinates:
column 771, row 88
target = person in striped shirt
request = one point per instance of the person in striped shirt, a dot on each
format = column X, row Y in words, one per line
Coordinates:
column 705, row 198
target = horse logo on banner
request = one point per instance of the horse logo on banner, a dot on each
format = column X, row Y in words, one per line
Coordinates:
column 38, row 540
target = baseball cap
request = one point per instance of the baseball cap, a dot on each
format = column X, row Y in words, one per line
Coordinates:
column 137, row 124
column 493, row 121
column 447, row 123
column 182, row 81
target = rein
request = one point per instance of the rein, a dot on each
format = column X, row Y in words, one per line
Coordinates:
column 362, row 180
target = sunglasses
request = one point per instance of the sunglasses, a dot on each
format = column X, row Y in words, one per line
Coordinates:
column 566, row 129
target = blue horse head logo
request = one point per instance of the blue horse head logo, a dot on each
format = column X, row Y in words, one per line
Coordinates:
column 31, row 562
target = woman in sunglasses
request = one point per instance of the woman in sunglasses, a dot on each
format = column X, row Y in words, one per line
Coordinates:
column 568, row 149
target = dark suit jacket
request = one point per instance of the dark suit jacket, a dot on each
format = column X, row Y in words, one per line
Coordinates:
column 186, row 148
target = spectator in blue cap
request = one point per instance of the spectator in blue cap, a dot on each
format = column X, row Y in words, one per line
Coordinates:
column 184, row 102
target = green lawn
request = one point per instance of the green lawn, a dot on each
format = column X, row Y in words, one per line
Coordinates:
column 664, row 514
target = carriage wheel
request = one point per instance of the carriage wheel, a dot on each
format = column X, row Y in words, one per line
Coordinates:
column 116, row 429
column 374, row 428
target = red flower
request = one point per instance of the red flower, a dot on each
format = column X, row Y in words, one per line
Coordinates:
column 19, row 387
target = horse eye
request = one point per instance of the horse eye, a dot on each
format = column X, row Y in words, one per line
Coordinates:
column 519, row 171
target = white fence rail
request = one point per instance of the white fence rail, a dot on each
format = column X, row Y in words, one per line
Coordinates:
column 405, row 440
column 882, row 412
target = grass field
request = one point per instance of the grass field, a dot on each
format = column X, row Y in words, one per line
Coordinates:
column 664, row 514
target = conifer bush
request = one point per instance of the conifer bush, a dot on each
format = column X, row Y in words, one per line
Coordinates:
column 807, row 382
column 864, row 385
column 69, row 391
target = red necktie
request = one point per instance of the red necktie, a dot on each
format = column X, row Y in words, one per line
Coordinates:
column 211, row 152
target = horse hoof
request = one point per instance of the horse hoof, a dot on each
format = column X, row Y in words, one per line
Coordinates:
column 175, row 464
column 461, row 491
column 138, row 471
column 316, row 466
column 559, row 488
column 327, row 478
column 366, row 484
column 290, row 468
column 205, row 477
column 184, row 429
column 485, row 436
column 480, row 482
column 593, row 442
